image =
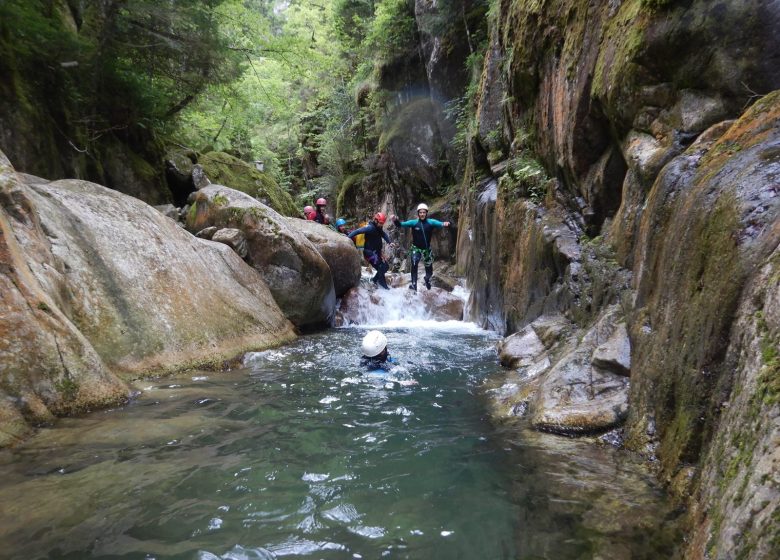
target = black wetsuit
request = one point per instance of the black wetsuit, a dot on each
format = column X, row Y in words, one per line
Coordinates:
column 385, row 362
column 372, row 250
column 320, row 216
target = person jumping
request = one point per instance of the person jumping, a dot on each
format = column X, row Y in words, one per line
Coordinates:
column 372, row 249
column 422, row 229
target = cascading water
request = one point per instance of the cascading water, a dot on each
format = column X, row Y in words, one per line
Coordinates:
column 303, row 454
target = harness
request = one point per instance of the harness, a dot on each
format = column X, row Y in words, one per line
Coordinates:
column 427, row 254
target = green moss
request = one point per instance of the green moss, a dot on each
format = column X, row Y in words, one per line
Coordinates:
column 192, row 213
column 220, row 200
column 44, row 307
column 67, row 388
column 346, row 187
column 227, row 170
column 616, row 71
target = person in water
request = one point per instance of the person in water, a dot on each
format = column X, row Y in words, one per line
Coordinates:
column 422, row 230
column 372, row 248
column 375, row 355
column 319, row 215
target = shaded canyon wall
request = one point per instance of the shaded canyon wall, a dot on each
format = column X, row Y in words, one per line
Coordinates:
column 627, row 154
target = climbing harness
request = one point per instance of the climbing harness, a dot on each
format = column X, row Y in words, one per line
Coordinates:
column 427, row 254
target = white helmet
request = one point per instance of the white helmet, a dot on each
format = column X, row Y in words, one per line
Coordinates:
column 422, row 206
column 373, row 344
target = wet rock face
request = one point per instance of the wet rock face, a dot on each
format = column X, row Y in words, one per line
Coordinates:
column 740, row 486
column 520, row 349
column 338, row 251
column 97, row 286
column 560, row 383
column 665, row 168
column 295, row 272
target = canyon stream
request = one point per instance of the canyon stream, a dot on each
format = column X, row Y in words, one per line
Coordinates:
column 299, row 453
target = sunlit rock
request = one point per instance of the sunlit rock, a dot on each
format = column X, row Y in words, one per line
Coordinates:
column 337, row 249
column 295, row 272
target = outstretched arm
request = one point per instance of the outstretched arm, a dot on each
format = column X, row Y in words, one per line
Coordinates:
column 399, row 223
column 437, row 223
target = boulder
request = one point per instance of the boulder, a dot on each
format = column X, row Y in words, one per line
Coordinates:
column 520, row 349
column 207, row 233
column 338, row 251
column 577, row 397
column 224, row 169
column 295, row 272
column 615, row 354
column 442, row 305
column 98, row 288
column 233, row 238
column 168, row 210
column 551, row 328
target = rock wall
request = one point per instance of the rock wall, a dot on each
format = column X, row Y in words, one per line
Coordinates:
column 99, row 288
column 625, row 158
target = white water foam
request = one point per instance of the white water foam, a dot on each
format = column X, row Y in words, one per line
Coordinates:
column 401, row 308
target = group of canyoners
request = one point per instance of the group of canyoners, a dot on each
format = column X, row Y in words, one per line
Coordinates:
column 372, row 235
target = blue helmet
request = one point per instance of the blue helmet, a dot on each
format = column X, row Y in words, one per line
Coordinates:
column 341, row 222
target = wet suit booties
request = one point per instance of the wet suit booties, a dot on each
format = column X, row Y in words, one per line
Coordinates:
column 372, row 250
column 421, row 246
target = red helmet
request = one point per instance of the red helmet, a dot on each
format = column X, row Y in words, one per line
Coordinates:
column 321, row 202
column 380, row 218
column 307, row 209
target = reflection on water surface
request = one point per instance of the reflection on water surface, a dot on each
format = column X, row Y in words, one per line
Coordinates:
column 302, row 455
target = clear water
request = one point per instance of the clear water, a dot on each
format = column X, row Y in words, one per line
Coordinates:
column 301, row 454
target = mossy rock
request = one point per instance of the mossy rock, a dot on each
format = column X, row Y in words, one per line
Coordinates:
column 232, row 172
column 349, row 183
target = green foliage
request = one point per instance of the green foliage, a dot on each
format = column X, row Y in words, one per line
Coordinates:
column 96, row 76
column 525, row 177
column 227, row 170
column 393, row 31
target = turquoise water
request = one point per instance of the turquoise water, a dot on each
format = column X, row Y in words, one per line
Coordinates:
column 300, row 454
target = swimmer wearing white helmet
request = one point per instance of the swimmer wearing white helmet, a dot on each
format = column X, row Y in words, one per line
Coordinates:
column 375, row 354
